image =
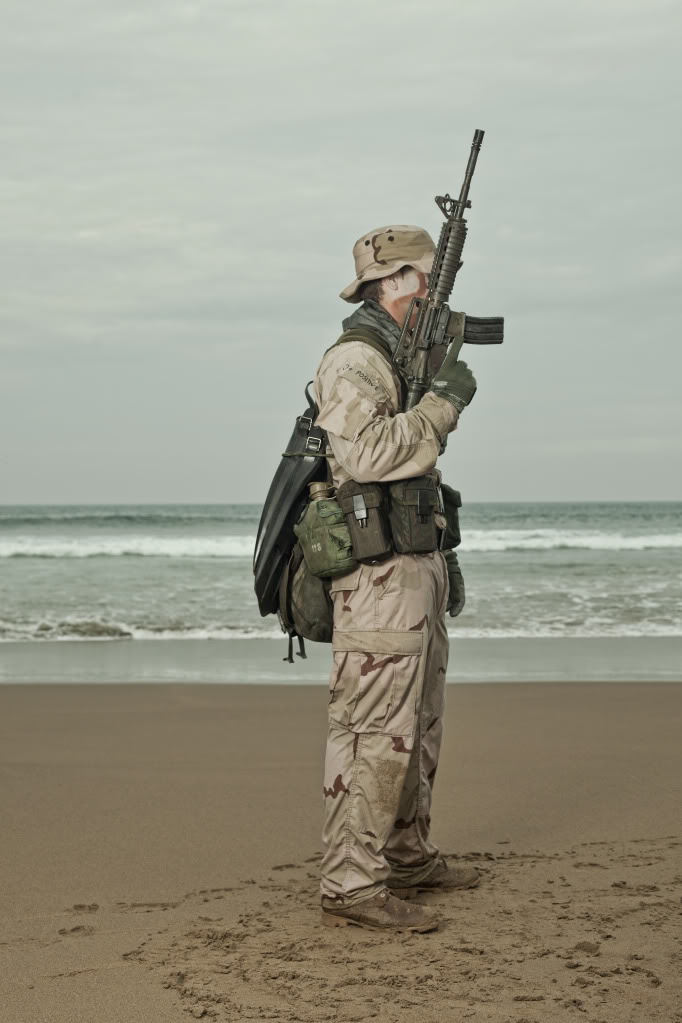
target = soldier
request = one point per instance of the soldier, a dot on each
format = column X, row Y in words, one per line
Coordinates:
column 390, row 643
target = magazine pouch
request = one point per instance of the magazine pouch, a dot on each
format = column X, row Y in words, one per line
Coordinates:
column 416, row 514
column 364, row 508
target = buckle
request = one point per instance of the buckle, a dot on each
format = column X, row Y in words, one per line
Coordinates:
column 360, row 510
column 313, row 443
column 305, row 419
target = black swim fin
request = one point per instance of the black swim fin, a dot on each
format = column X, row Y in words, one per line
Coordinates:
column 303, row 462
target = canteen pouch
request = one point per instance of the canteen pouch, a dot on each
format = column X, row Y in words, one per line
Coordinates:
column 305, row 606
column 452, row 502
column 414, row 505
column 324, row 537
column 364, row 508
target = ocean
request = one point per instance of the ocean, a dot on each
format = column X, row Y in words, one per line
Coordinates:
column 142, row 573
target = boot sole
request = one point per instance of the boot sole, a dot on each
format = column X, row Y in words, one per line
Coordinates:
column 409, row 893
column 330, row 920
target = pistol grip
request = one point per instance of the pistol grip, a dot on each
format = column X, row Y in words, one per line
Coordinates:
column 455, row 345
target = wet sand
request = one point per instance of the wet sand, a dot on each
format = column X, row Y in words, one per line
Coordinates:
column 260, row 661
column 160, row 843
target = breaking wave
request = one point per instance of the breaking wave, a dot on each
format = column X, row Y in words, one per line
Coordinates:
column 565, row 539
column 240, row 546
column 128, row 546
column 93, row 629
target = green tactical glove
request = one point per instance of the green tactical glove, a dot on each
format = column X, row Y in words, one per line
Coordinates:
column 454, row 381
column 455, row 578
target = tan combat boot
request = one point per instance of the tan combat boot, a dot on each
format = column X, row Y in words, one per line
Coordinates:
column 441, row 879
column 383, row 912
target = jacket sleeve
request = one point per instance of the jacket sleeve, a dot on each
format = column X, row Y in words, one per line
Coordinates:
column 358, row 401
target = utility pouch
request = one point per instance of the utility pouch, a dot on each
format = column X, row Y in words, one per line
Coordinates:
column 364, row 508
column 452, row 502
column 414, row 505
column 305, row 606
column 325, row 540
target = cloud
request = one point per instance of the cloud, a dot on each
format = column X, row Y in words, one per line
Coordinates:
column 183, row 183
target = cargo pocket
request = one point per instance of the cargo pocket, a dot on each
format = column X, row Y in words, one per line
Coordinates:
column 377, row 679
column 343, row 591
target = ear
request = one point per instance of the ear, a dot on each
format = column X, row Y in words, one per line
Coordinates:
column 406, row 281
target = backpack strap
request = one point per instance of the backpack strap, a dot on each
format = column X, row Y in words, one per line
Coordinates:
column 375, row 341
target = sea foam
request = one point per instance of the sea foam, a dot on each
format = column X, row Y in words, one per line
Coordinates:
column 128, row 546
column 92, row 629
column 240, row 546
column 565, row 539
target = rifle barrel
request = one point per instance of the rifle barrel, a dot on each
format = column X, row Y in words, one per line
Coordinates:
column 471, row 166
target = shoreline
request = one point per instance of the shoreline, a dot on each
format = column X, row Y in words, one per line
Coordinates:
column 260, row 661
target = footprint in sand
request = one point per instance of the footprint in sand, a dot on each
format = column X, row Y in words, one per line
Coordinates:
column 590, row 947
column 80, row 931
column 70, row 973
column 84, row 907
column 146, row 907
column 272, row 960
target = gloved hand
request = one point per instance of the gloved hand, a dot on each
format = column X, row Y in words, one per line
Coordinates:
column 454, row 381
column 456, row 596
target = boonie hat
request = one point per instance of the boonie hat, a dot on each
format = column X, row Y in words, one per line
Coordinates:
column 386, row 249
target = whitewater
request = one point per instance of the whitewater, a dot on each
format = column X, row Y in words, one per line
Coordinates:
column 162, row 572
column 242, row 546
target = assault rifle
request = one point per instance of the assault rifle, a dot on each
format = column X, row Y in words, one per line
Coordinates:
column 435, row 323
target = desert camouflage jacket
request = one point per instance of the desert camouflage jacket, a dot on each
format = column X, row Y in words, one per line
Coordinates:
column 358, row 395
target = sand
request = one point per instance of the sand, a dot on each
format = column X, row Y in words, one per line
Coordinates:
column 160, row 845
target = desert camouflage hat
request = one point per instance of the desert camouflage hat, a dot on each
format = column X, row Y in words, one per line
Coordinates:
column 386, row 249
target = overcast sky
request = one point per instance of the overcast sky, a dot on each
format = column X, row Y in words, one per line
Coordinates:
column 182, row 184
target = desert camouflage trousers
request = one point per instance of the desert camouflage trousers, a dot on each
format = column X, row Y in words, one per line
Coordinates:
column 387, row 693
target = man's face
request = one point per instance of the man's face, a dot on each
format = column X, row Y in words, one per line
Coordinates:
column 400, row 289
column 423, row 289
